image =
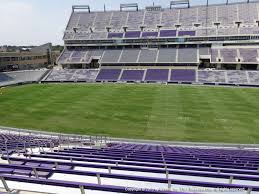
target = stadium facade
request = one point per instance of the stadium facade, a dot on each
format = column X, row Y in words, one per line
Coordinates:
column 217, row 36
column 216, row 44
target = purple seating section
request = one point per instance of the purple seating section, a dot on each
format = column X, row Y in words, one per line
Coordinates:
column 149, row 34
column 132, row 34
column 233, row 77
column 72, row 75
column 125, row 159
column 185, row 55
column 108, row 75
column 193, row 21
column 115, row 35
column 10, row 142
column 132, row 75
column 186, row 33
column 167, row 33
column 183, row 75
column 157, row 75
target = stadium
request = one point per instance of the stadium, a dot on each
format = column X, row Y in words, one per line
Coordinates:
column 141, row 100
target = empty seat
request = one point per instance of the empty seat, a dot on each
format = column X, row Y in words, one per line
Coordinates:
column 108, row 75
column 167, row 55
column 132, row 75
column 188, row 55
column 129, row 56
column 183, row 75
column 157, row 75
column 147, row 56
column 111, row 56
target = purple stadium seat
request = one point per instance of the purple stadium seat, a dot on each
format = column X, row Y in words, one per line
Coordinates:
column 167, row 33
column 183, row 75
column 132, row 34
column 149, row 34
column 132, row 75
column 108, row 75
column 22, row 172
column 186, row 33
column 115, row 35
column 157, row 75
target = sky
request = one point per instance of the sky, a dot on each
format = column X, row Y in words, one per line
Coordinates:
column 36, row 22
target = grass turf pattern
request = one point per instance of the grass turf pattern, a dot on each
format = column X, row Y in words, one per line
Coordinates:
column 158, row 112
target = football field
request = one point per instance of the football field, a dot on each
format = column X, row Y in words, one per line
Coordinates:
column 147, row 111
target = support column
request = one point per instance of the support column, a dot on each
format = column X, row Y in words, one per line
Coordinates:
column 249, row 191
column 98, row 179
column 258, row 67
column 82, row 189
column 238, row 67
column 36, row 173
column 218, row 66
column 5, row 184
column 231, row 179
column 109, row 169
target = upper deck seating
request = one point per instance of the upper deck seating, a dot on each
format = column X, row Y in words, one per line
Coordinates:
column 188, row 20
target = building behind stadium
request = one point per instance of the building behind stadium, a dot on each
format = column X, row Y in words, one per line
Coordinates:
column 17, row 58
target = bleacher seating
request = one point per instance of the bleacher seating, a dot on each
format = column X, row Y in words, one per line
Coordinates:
column 229, row 55
column 249, row 55
column 230, row 77
column 132, row 55
column 225, row 15
column 17, row 142
column 183, row 75
column 111, row 56
column 237, row 77
column 120, row 166
column 108, row 75
column 79, row 56
column 154, row 41
column 167, row 55
column 72, row 75
column 188, row 55
column 132, row 75
column 254, row 77
column 211, row 76
column 129, row 56
column 16, row 77
column 157, row 75
column 147, row 56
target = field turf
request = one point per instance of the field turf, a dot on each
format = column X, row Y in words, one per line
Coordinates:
column 160, row 112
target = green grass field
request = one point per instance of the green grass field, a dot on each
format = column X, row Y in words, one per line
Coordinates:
column 160, row 112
